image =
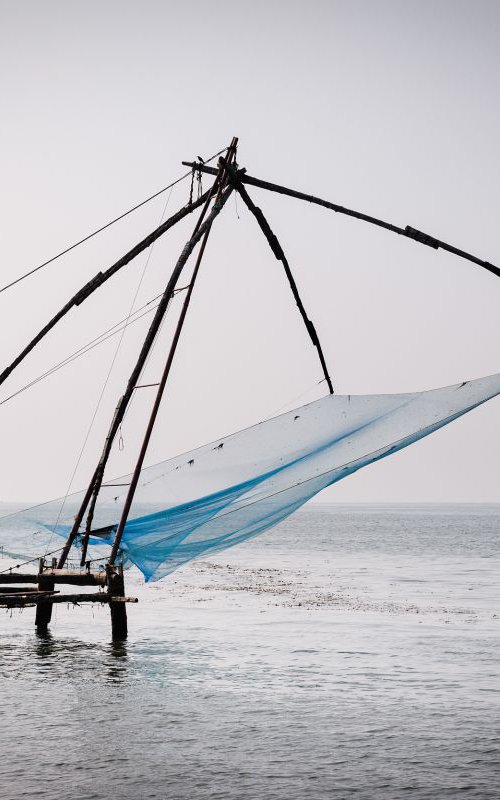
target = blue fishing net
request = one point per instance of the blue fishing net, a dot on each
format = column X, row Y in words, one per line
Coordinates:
column 231, row 490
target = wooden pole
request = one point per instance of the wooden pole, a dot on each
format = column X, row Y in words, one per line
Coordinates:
column 44, row 611
column 17, row 590
column 96, row 481
column 21, row 577
column 280, row 255
column 116, row 587
column 44, row 598
column 200, row 230
column 222, row 177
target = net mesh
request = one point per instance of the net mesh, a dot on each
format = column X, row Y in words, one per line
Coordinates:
column 228, row 491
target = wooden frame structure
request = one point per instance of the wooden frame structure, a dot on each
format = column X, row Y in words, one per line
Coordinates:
column 110, row 583
column 19, row 590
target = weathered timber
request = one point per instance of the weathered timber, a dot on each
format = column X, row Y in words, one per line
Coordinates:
column 91, row 597
column 90, row 499
column 31, row 593
column 44, row 595
column 76, row 578
column 73, row 577
column 41, row 599
column 116, row 599
column 119, row 626
column 408, row 231
column 280, row 255
column 97, row 477
column 17, row 590
column 45, row 586
column 12, row 577
column 221, row 183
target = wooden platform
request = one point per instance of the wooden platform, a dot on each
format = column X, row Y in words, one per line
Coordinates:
column 42, row 595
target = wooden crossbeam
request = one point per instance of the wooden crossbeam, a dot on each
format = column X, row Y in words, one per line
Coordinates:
column 21, row 594
column 43, row 598
column 16, row 589
column 12, row 577
column 76, row 577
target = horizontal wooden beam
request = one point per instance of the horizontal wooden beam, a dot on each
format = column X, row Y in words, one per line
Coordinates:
column 72, row 577
column 76, row 577
column 12, row 577
column 96, row 597
column 17, row 589
column 38, row 598
column 21, row 594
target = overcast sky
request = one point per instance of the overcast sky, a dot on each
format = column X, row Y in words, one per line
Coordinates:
column 388, row 107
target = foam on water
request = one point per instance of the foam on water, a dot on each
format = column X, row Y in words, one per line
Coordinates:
column 352, row 652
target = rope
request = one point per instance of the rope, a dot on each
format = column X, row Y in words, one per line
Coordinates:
column 190, row 202
column 30, row 561
column 295, row 399
column 56, row 499
column 86, row 348
column 102, row 228
column 135, row 298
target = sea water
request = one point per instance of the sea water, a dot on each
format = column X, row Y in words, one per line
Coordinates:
column 350, row 653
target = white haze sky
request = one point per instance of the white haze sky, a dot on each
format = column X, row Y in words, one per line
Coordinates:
column 391, row 108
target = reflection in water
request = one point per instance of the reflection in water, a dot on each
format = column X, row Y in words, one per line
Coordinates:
column 352, row 654
column 117, row 660
column 74, row 657
column 44, row 643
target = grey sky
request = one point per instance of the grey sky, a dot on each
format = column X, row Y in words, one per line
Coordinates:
column 388, row 107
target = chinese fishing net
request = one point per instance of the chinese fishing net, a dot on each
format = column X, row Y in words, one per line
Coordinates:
column 226, row 492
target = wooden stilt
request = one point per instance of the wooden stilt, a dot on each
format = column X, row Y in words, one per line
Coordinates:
column 116, row 588
column 44, row 610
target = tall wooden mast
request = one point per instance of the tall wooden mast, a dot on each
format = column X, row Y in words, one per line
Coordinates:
column 221, row 192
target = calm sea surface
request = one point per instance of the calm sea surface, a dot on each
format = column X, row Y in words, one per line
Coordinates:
column 353, row 652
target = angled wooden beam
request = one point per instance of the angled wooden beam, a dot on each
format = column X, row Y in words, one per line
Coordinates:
column 280, row 255
column 99, row 279
column 408, row 231
column 224, row 189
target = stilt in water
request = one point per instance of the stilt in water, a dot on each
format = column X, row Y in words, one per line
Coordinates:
column 116, row 588
column 44, row 610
